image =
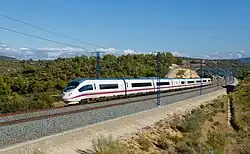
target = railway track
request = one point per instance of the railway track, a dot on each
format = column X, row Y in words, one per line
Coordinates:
column 21, row 117
column 16, row 128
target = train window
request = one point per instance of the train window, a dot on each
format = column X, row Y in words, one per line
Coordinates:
column 190, row 81
column 86, row 88
column 108, row 86
column 204, row 80
column 182, row 82
column 163, row 83
column 94, row 86
column 198, row 81
column 71, row 85
column 141, row 84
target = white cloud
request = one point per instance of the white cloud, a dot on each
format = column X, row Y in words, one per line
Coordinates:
column 239, row 55
column 22, row 53
column 66, row 49
column 2, row 45
column 231, row 56
column 9, row 49
column 52, row 53
column 177, row 54
column 207, row 56
column 24, row 49
column 129, row 51
column 108, row 50
column 242, row 51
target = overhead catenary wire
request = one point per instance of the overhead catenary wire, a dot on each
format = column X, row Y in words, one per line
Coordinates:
column 41, row 38
column 48, row 31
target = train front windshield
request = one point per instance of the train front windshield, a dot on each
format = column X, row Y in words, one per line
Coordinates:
column 71, row 85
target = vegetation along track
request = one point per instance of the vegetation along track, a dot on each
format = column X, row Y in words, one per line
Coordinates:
column 75, row 109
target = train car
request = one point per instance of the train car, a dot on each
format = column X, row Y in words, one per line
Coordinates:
column 197, row 82
column 205, row 81
column 178, row 84
column 165, row 84
column 190, row 83
column 84, row 90
column 137, row 86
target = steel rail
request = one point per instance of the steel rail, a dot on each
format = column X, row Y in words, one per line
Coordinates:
column 23, row 120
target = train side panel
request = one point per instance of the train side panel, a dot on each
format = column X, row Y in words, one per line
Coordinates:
column 136, row 86
column 108, row 88
column 177, row 84
column 91, row 89
column 165, row 84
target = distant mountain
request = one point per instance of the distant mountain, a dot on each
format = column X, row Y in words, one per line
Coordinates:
column 6, row 58
column 245, row 59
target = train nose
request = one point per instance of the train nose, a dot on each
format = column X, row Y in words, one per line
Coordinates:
column 66, row 95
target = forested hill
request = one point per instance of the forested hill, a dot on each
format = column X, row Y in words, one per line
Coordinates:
column 245, row 59
column 30, row 84
column 6, row 58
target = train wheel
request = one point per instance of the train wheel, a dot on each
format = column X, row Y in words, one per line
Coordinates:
column 83, row 101
column 88, row 100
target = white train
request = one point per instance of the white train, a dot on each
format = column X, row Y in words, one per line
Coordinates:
column 85, row 90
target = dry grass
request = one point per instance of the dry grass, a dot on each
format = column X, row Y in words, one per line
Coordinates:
column 59, row 104
column 196, row 132
column 107, row 145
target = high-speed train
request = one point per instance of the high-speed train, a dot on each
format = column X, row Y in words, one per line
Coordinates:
column 86, row 89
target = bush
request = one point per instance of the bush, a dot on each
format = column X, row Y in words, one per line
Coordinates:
column 175, row 139
column 183, row 148
column 163, row 142
column 216, row 141
column 189, row 125
column 202, row 106
column 144, row 143
column 196, row 111
column 210, row 119
column 106, row 145
column 14, row 103
column 37, row 151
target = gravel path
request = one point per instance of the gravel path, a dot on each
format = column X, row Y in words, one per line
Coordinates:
column 36, row 129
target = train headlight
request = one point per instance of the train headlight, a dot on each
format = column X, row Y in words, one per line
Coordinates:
column 70, row 94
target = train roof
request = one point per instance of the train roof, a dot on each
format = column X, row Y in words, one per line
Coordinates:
column 142, row 78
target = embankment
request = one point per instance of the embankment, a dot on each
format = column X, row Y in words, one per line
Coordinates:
column 81, row 138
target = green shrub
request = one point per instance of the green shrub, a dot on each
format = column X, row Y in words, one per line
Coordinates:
column 106, row 145
column 183, row 148
column 196, row 111
column 216, row 140
column 175, row 139
column 189, row 125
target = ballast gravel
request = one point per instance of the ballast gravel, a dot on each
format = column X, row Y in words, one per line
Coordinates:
column 17, row 133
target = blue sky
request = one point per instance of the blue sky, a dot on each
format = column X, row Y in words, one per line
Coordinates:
column 196, row 28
